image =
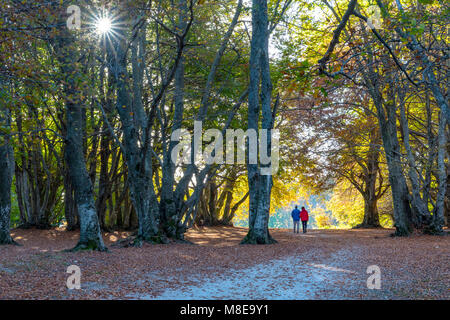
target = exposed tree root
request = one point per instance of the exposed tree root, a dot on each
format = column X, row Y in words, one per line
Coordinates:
column 433, row 230
column 425, row 229
column 367, row 226
column 251, row 238
column 400, row 233
column 9, row 241
column 138, row 241
column 183, row 241
column 89, row 245
column 40, row 226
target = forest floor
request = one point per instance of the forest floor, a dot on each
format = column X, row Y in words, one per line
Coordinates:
column 321, row 264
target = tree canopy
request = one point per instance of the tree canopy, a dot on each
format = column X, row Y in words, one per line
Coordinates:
column 92, row 94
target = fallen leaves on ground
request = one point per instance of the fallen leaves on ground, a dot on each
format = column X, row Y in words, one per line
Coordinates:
column 416, row 267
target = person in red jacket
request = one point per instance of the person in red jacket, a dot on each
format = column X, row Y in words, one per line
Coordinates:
column 304, row 217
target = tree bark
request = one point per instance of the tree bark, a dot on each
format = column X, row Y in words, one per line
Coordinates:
column 420, row 210
column 447, row 197
column 400, row 194
column 260, row 186
column 169, row 203
column 6, row 174
column 173, row 203
column 138, row 159
column 371, row 216
column 90, row 235
column 438, row 220
column 386, row 113
column 70, row 206
column 387, row 119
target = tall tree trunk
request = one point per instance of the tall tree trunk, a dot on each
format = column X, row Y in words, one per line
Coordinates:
column 438, row 215
column 371, row 216
column 260, row 185
column 227, row 217
column 400, row 194
column 170, row 204
column 70, row 206
column 22, row 192
column 35, row 186
column 104, row 185
column 386, row 113
column 185, row 208
column 6, row 174
column 421, row 217
column 387, row 119
column 90, row 235
column 138, row 159
column 447, row 197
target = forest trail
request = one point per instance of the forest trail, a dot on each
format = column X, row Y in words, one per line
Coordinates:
column 285, row 278
column 322, row 264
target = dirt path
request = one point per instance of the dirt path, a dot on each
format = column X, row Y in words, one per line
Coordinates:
column 325, row 264
column 285, row 278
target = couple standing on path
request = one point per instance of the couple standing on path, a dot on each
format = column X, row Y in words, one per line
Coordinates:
column 298, row 215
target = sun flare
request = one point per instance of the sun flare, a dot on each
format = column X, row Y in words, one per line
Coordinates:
column 103, row 25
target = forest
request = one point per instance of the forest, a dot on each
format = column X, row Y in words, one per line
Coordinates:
column 87, row 115
column 348, row 101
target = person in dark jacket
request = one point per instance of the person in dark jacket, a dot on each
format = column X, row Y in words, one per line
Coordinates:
column 304, row 217
column 296, row 217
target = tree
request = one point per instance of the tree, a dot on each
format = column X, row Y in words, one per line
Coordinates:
column 410, row 210
column 90, row 235
column 260, row 185
column 6, row 166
